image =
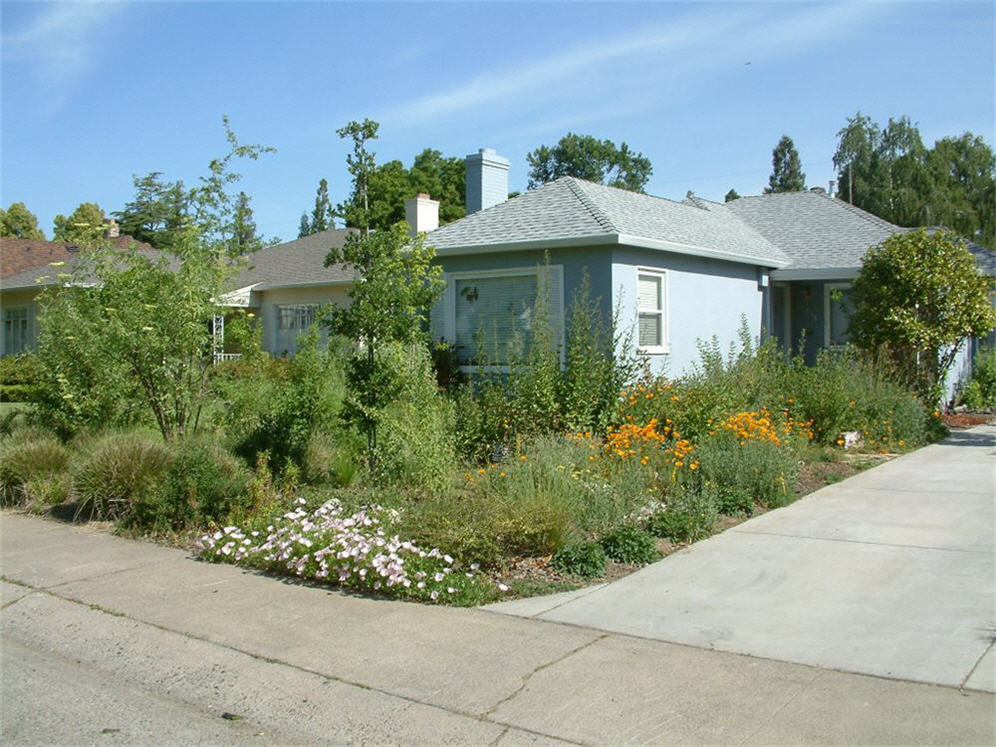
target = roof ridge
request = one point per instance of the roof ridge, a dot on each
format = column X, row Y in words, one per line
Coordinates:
column 596, row 212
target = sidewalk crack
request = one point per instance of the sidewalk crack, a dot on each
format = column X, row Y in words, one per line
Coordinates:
column 529, row 675
column 992, row 642
column 771, row 717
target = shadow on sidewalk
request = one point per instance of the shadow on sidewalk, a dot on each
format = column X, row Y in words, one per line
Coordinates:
column 972, row 437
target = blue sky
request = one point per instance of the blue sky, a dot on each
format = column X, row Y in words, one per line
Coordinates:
column 96, row 92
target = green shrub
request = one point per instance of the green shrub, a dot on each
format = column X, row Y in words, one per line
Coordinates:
column 629, row 544
column 582, row 559
column 20, row 377
column 118, row 473
column 979, row 392
column 203, row 484
column 273, row 405
column 733, row 500
column 688, row 516
column 763, row 470
column 33, row 470
column 414, row 433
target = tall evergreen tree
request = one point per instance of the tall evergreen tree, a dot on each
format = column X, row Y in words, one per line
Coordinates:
column 245, row 238
column 305, row 227
column 158, row 214
column 786, row 168
column 322, row 217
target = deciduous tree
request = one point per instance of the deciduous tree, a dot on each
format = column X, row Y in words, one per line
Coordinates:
column 396, row 285
column 586, row 157
column 19, row 222
column 129, row 332
column 85, row 224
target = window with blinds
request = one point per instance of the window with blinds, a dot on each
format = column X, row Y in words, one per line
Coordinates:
column 650, row 305
column 492, row 314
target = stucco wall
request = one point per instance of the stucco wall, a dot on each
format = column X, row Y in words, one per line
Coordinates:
column 15, row 299
column 705, row 298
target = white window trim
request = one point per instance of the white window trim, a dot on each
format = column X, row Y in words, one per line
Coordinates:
column 665, row 347
column 829, row 288
column 537, row 271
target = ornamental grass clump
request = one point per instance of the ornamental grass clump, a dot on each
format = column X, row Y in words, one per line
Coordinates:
column 348, row 550
column 33, row 470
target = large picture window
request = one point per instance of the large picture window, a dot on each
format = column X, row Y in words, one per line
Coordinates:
column 491, row 315
column 651, row 294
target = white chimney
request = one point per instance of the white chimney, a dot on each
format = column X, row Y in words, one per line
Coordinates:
column 487, row 179
column 422, row 214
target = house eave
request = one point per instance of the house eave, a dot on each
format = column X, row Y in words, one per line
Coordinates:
column 607, row 239
column 307, row 284
column 822, row 273
column 696, row 251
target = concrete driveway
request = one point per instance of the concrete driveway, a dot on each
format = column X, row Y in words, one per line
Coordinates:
column 888, row 573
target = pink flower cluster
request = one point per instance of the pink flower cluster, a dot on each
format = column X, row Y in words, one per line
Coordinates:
column 347, row 550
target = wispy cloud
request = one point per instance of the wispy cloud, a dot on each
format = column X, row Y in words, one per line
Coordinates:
column 60, row 41
column 695, row 44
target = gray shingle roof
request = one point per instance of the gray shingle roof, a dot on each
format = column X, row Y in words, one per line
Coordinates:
column 298, row 262
column 817, row 231
column 571, row 210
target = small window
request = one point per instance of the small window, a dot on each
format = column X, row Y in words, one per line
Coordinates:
column 651, row 291
column 838, row 309
column 16, row 331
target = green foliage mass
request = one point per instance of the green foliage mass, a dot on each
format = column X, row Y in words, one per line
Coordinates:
column 20, row 223
column 85, row 224
column 126, row 336
column 889, row 172
column 629, row 544
column 118, row 473
column 581, row 559
column 917, row 298
column 397, row 284
column 34, row 469
column 786, row 169
column 593, row 160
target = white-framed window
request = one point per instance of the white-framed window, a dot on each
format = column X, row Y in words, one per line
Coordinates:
column 292, row 321
column 838, row 308
column 651, row 294
column 296, row 317
column 16, row 330
column 492, row 314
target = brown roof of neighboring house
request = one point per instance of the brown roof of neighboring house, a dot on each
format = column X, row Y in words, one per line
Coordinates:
column 19, row 255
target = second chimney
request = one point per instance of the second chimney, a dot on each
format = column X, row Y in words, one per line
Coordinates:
column 487, row 179
column 422, row 214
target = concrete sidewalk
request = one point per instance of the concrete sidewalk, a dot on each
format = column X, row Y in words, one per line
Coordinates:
column 887, row 573
column 305, row 664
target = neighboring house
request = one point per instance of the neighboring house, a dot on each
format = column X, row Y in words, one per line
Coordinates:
column 27, row 266
column 285, row 285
